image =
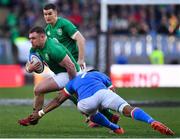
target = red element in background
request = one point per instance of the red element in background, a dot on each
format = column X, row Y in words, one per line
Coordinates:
column 135, row 79
column 11, row 76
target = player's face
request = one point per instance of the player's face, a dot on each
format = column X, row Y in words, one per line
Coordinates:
column 35, row 40
column 50, row 16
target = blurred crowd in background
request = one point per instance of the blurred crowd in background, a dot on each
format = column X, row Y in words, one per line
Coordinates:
column 145, row 19
column 18, row 16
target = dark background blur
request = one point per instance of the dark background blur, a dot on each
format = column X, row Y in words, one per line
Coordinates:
column 134, row 29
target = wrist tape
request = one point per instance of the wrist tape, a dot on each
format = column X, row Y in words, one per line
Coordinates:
column 41, row 113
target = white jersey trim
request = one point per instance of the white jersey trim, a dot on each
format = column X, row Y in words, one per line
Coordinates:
column 111, row 86
column 65, row 90
column 74, row 35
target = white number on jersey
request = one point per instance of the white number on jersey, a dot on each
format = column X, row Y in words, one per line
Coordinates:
column 82, row 76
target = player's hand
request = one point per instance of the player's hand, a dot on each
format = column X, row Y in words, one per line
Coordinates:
column 32, row 67
column 82, row 64
column 27, row 67
column 35, row 116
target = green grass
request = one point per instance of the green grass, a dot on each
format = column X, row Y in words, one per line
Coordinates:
column 159, row 94
column 127, row 93
column 68, row 122
column 22, row 92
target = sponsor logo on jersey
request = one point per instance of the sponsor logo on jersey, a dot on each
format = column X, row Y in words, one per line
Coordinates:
column 48, row 33
column 47, row 57
column 55, row 39
column 59, row 31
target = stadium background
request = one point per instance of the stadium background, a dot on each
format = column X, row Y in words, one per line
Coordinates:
column 133, row 32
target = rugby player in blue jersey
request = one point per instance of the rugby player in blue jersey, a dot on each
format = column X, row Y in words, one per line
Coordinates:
column 94, row 92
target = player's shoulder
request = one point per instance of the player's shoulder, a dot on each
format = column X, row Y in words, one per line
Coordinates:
column 50, row 43
column 95, row 71
column 53, row 44
column 64, row 21
column 99, row 74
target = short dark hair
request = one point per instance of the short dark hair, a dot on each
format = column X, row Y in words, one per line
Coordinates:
column 37, row 29
column 50, row 6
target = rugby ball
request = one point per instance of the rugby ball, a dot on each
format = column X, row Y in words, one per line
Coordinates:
column 35, row 59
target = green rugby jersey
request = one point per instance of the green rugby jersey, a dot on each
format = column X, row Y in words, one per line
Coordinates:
column 53, row 53
column 62, row 31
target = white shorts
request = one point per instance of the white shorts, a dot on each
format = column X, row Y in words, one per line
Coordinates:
column 62, row 79
column 102, row 99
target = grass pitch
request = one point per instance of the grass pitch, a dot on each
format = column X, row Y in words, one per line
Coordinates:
column 138, row 94
column 67, row 122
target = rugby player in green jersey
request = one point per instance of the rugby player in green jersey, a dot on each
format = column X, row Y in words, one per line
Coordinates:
column 59, row 60
column 66, row 33
column 63, row 31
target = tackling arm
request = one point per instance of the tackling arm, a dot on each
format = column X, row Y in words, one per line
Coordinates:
column 57, row 101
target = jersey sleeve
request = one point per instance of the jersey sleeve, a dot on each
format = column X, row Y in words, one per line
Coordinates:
column 68, row 90
column 69, row 28
column 58, row 52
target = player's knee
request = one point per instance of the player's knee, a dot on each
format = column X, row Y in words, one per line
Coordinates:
column 127, row 110
column 37, row 90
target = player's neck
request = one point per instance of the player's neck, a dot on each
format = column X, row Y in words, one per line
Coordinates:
column 44, row 42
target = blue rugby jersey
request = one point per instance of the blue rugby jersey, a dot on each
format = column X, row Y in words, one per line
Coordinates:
column 87, row 84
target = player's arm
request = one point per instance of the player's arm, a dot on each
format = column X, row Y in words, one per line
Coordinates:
column 72, row 31
column 81, row 46
column 56, row 102
column 69, row 66
column 63, row 95
column 59, row 54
